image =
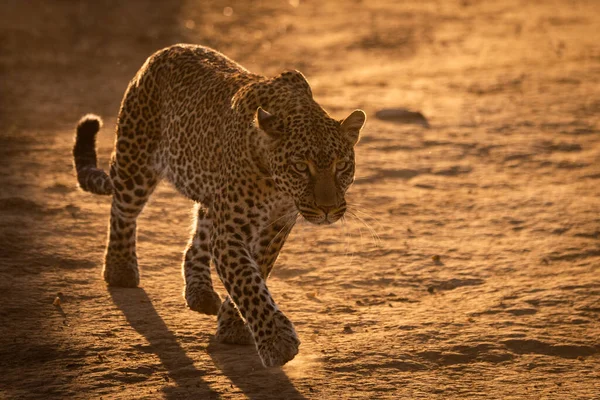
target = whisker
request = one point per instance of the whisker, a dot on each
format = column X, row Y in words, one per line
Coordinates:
column 288, row 215
column 285, row 229
column 374, row 235
column 367, row 216
column 347, row 242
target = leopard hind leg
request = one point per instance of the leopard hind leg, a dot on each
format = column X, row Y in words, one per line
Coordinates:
column 133, row 179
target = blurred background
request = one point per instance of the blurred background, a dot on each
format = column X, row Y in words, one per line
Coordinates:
column 60, row 53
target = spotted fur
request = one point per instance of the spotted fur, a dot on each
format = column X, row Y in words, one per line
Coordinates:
column 252, row 152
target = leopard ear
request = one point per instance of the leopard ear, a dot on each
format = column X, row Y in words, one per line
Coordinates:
column 352, row 125
column 269, row 123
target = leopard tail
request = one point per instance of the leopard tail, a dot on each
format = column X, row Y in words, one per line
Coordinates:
column 90, row 177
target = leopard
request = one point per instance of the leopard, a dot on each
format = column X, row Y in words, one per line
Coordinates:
column 254, row 153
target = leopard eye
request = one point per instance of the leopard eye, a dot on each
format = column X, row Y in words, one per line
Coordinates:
column 342, row 166
column 300, row 167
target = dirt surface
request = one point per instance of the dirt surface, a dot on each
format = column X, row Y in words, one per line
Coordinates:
column 475, row 272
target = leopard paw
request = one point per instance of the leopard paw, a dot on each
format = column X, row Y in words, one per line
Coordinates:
column 203, row 300
column 127, row 277
column 282, row 345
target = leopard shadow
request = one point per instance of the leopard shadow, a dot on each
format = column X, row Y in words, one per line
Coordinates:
column 143, row 317
column 242, row 366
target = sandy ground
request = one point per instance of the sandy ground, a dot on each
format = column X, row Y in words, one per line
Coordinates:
column 503, row 187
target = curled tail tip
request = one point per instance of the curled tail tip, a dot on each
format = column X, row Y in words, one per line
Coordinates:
column 89, row 125
column 90, row 178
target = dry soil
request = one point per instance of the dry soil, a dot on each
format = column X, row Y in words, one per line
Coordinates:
column 471, row 267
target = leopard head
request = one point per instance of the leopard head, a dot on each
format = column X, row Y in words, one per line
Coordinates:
column 311, row 157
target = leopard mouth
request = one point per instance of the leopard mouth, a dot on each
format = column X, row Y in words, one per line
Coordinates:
column 318, row 216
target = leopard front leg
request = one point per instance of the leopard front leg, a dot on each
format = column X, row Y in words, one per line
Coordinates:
column 198, row 292
column 231, row 326
column 274, row 335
